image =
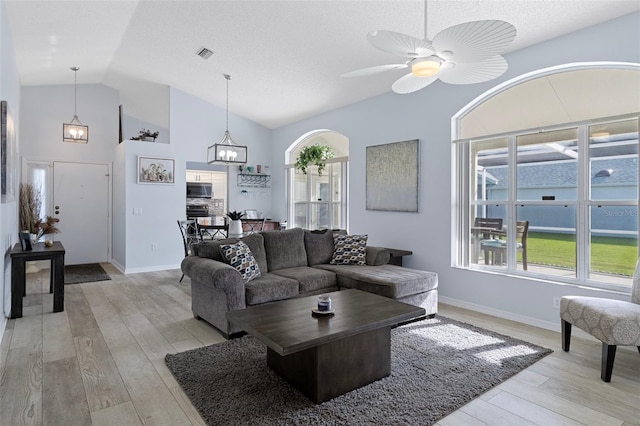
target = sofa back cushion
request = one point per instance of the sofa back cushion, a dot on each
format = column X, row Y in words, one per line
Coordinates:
column 211, row 249
column 285, row 249
column 319, row 246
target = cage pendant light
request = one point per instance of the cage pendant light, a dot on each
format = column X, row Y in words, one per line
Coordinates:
column 75, row 131
column 227, row 151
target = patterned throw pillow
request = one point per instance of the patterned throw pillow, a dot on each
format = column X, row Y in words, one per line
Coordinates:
column 240, row 257
column 349, row 250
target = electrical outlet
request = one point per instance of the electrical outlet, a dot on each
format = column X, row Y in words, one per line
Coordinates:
column 556, row 302
column 154, row 247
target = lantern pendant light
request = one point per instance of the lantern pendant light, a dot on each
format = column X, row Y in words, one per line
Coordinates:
column 227, row 151
column 75, row 131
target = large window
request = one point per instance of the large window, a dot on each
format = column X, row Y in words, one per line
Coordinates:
column 560, row 203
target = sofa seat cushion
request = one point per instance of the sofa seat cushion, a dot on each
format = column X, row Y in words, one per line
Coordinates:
column 269, row 288
column 386, row 280
column 309, row 279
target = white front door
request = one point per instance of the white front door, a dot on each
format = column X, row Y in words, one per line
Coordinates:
column 81, row 202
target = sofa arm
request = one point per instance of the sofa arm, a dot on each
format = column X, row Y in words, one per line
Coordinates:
column 219, row 276
column 377, row 256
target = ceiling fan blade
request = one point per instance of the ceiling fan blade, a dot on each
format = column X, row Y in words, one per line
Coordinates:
column 400, row 44
column 373, row 70
column 474, row 41
column 474, row 72
column 410, row 83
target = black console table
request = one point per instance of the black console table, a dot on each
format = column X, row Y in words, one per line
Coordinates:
column 19, row 258
column 396, row 255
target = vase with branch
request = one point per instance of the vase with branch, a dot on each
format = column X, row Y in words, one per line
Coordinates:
column 29, row 212
column 315, row 154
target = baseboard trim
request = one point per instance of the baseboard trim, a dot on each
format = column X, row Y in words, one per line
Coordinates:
column 150, row 269
column 547, row 325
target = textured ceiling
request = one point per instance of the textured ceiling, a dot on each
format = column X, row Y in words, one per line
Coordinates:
column 285, row 57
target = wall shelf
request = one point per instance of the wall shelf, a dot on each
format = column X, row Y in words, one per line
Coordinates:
column 254, row 180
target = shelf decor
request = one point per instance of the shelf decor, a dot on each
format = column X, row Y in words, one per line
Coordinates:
column 315, row 154
column 392, row 176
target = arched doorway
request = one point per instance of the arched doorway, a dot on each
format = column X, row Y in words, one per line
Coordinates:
column 314, row 200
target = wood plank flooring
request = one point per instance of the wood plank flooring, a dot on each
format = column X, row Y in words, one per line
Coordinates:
column 101, row 362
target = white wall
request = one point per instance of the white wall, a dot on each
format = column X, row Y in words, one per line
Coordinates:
column 10, row 92
column 45, row 108
column 426, row 115
column 195, row 124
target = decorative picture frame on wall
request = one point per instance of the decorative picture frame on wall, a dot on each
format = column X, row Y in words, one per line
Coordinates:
column 392, row 176
column 156, row 170
column 8, row 153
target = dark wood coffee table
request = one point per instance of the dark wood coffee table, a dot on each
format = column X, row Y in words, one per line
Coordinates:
column 328, row 356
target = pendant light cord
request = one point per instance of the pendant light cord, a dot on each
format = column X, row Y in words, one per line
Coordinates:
column 228, row 77
column 75, row 90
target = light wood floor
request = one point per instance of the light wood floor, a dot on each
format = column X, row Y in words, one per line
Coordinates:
column 101, row 361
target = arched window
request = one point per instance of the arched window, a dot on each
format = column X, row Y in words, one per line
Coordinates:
column 317, row 201
column 546, row 176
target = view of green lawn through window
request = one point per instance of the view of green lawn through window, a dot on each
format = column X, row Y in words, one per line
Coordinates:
column 609, row 255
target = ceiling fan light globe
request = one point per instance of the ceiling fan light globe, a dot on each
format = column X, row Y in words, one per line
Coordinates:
column 425, row 68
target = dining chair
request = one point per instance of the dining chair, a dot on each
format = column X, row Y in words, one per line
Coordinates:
column 613, row 322
column 496, row 248
column 190, row 236
column 254, row 225
column 484, row 229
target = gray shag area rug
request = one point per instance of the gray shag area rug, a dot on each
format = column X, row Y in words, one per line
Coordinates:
column 87, row 273
column 437, row 366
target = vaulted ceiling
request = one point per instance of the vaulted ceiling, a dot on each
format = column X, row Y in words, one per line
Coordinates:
column 285, row 57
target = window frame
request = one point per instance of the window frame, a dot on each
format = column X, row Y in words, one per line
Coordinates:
column 465, row 203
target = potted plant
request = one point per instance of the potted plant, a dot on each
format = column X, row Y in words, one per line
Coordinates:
column 313, row 154
column 235, row 227
column 146, row 135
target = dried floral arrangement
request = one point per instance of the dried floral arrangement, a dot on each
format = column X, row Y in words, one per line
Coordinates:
column 30, row 208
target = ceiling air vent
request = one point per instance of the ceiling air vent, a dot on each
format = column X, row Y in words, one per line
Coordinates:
column 204, row 53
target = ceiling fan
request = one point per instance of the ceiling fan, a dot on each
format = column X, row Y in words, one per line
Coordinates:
column 462, row 54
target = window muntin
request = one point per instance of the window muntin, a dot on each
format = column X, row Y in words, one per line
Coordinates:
column 558, row 192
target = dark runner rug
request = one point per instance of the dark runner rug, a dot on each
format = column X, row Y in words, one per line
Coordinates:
column 437, row 366
column 89, row 272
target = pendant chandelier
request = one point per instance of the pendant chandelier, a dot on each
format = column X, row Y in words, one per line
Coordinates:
column 227, row 151
column 75, row 131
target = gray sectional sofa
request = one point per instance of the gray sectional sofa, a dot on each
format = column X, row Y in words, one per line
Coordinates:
column 294, row 263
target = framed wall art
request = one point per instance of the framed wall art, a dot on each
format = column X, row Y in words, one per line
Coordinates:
column 8, row 153
column 393, row 176
column 155, row 170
